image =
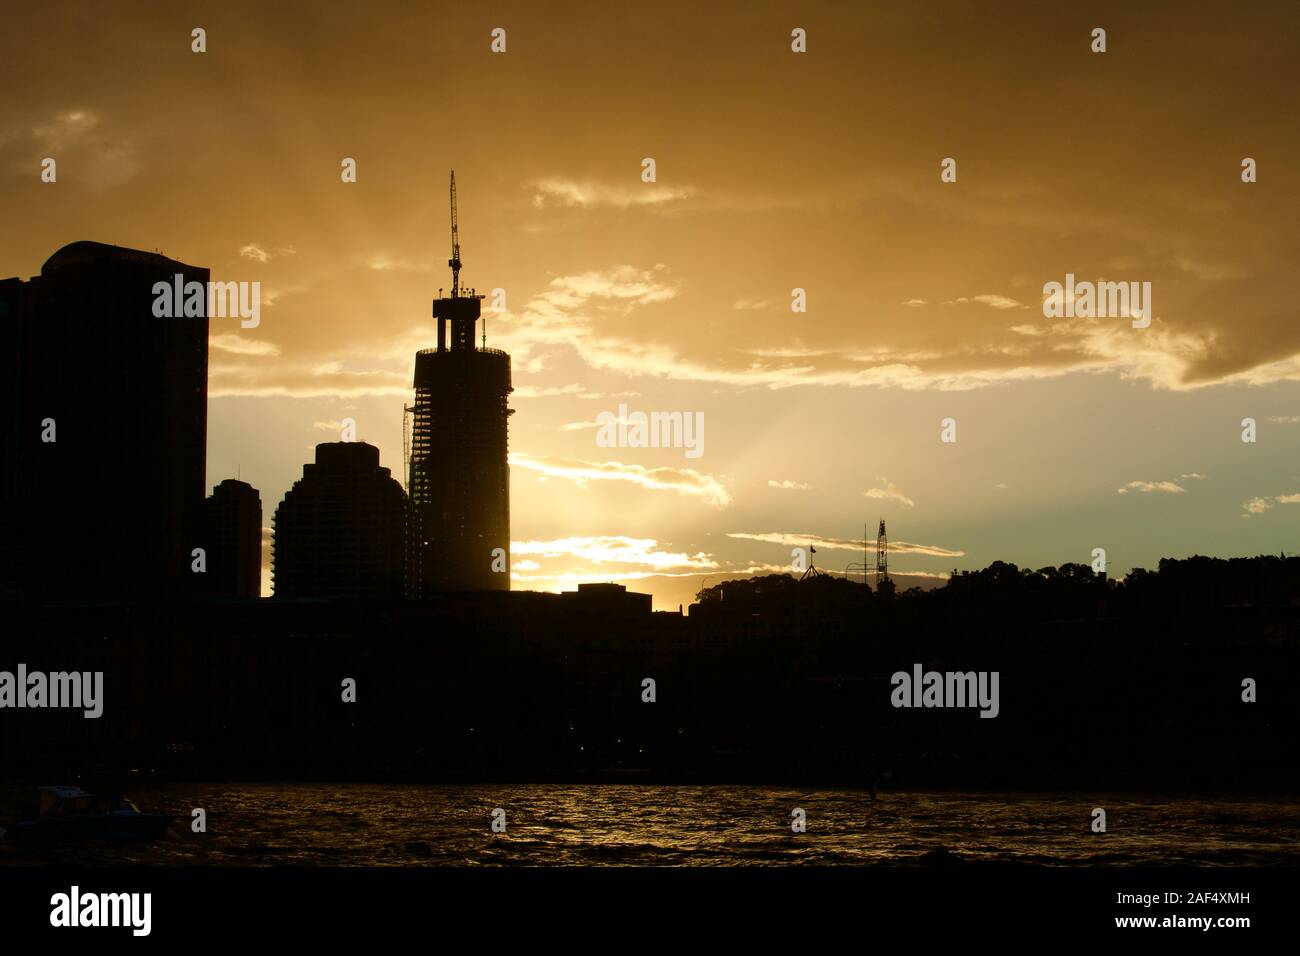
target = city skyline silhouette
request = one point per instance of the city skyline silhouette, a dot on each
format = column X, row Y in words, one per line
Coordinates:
column 852, row 438
column 924, row 297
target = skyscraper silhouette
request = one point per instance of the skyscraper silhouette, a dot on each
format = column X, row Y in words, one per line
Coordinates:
column 232, row 535
column 342, row 531
column 103, row 423
column 459, row 480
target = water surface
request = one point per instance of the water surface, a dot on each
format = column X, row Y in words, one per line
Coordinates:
column 582, row 825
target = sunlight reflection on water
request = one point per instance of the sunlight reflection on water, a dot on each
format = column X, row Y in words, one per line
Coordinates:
column 385, row 825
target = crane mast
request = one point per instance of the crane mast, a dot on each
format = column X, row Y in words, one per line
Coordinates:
column 454, row 261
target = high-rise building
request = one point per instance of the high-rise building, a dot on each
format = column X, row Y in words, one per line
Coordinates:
column 342, row 530
column 103, row 427
column 232, row 537
column 459, row 481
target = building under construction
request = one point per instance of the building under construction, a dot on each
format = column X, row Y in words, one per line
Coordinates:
column 458, row 479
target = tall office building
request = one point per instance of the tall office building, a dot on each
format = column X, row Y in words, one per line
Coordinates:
column 232, row 535
column 103, row 427
column 459, row 481
column 342, row 531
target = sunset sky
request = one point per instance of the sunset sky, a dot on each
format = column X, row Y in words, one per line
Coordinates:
column 775, row 170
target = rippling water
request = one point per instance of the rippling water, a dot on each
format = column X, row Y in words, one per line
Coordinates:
column 384, row 825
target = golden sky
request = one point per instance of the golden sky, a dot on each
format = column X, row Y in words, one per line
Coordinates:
column 774, row 171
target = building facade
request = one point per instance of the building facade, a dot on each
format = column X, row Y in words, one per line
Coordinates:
column 103, row 428
column 459, row 480
column 342, row 531
column 232, row 536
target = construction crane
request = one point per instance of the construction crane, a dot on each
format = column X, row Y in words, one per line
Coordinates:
column 454, row 261
column 456, row 311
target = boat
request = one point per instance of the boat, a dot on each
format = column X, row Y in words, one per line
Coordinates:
column 70, row 813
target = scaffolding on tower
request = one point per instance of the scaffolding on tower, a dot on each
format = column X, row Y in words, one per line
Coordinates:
column 884, row 584
column 407, row 412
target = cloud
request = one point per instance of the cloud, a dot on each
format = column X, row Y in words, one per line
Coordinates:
column 844, row 544
column 614, row 320
column 619, row 558
column 855, row 215
column 238, row 345
column 998, row 301
column 889, row 492
column 614, row 549
column 325, row 380
column 988, row 298
column 564, row 316
column 259, row 254
column 385, row 263
column 580, row 312
column 583, row 577
column 684, row 481
column 1257, row 506
column 76, row 139
column 594, row 314
column 573, row 389
column 756, row 568
column 592, row 195
column 625, row 283
column 789, row 485
column 1168, row 487
column 615, row 557
column 1210, row 272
